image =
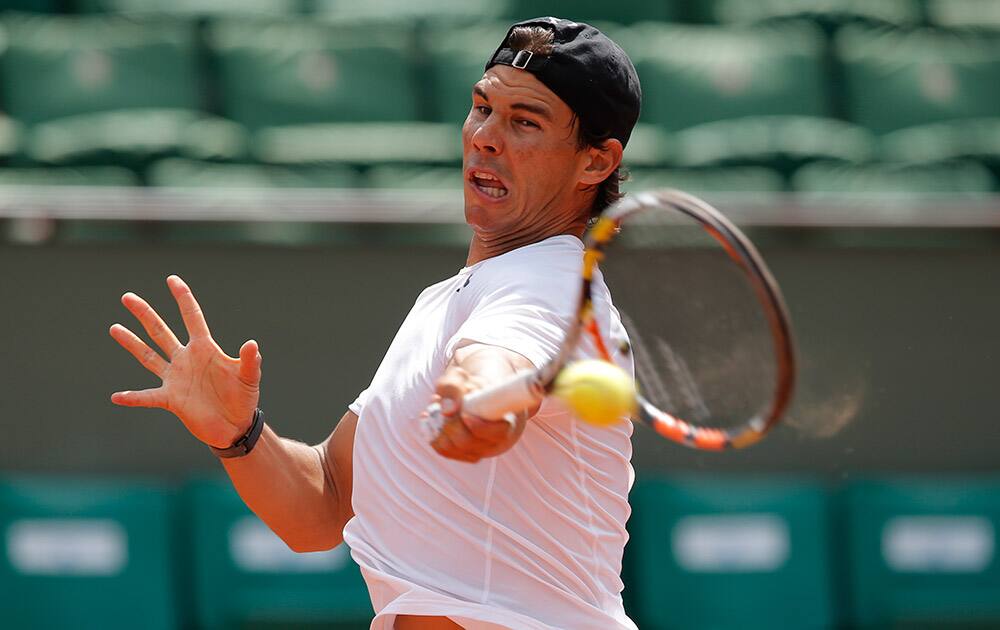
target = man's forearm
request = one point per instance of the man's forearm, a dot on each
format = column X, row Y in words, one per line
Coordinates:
column 289, row 486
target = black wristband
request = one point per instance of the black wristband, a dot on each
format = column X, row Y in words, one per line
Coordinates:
column 245, row 444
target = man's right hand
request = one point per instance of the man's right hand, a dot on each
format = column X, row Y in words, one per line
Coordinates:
column 213, row 394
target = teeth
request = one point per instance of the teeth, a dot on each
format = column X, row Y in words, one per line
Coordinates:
column 490, row 191
column 495, row 190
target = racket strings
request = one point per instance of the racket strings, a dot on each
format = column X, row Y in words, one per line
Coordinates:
column 708, row 334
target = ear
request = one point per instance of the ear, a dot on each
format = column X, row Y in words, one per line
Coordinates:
column 601, row 162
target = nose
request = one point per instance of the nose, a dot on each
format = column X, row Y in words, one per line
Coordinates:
column 486, row 136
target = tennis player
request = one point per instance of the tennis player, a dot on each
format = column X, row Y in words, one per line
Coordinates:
column 519, row 525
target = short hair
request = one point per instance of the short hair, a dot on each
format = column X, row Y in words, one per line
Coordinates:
column 538, row 40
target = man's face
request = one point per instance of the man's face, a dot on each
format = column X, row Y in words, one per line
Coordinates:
column 522, row 163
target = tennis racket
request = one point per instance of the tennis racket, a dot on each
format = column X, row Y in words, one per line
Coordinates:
column 709, row 332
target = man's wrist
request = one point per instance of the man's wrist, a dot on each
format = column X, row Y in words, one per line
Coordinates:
column 246, row 442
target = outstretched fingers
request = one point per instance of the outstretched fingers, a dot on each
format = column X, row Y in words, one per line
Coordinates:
column 148, row 357
column 141, row 398
column 158, row 331
column 194, row 319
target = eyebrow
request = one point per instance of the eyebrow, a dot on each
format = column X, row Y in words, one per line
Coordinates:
column 538, row 110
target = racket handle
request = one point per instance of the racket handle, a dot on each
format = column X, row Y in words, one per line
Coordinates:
column 519, row 393
column 498, row 402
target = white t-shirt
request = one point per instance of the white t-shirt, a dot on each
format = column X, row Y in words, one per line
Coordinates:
column 531, row 539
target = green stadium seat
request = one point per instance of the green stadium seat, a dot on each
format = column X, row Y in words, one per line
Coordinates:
column 901, row 180
column 456, row 58
column 698, row 74
column 741, row 95
column 830, row 13
column 429, row 11
column 291, row 72
column 327, row 93
column 56, row 66
column 102, row 89
column 931, row 95
column 69, row 176
column 192, row 8
column 649, row 145
column 975, row 138
column 977, row 14
column 135, row 135
column 359, row 143
column 780, row 141
column 183, row 173
column 11, row 135
column 747, row 180
column 898, row 79
column 923, row 553
column 86, row 554
column 34, row 6
column 730, row 554
column 591, row 11
column 211, row 138
column 415, row 177
column 243, row 574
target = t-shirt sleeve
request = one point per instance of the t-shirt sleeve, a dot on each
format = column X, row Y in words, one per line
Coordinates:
column 359, row 403
column 524, row 313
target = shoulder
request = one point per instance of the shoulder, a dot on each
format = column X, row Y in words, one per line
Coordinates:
column 552, row 261
column 434, row 291
column 556, row 250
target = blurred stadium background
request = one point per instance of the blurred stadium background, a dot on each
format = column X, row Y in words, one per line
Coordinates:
column 298, row 161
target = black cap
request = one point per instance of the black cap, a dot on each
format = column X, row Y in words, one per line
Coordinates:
column 587, row 70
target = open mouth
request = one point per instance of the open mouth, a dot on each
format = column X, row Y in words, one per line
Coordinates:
column 488, row 184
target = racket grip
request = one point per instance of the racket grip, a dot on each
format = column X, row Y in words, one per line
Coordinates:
column 521, row 392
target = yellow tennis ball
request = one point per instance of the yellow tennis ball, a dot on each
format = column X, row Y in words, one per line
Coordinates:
column 598, row 392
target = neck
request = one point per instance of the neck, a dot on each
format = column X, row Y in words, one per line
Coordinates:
column 485, row 246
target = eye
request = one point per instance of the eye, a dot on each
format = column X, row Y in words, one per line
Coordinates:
column 523, row 122
column 483, row 109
